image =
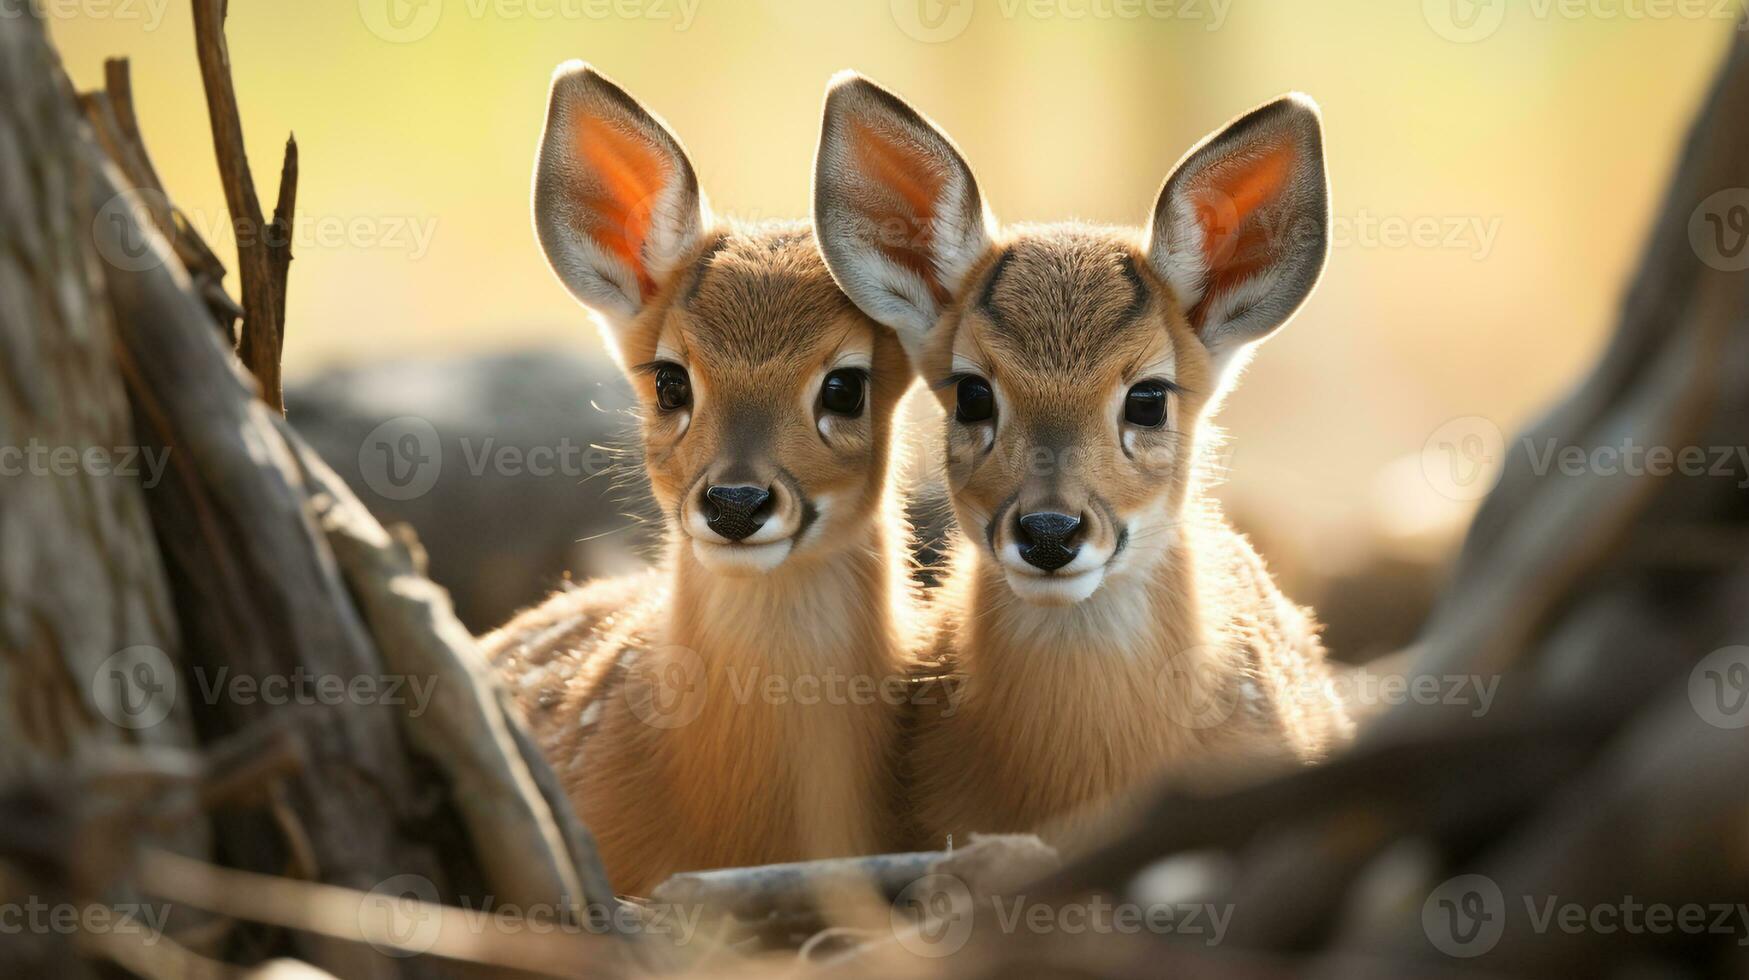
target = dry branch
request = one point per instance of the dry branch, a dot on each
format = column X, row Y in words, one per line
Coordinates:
column 261, row 271
column 466, row 728
column 224, row 567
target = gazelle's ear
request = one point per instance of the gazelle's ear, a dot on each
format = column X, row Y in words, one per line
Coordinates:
column 616, row 202
column 896, row 210
column 1242, row 225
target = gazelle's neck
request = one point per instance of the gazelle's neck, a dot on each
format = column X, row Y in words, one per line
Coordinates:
column 1142, row 612
column 842, row 609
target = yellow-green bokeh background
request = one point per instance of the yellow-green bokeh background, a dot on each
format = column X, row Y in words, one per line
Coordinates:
column 1555, row 130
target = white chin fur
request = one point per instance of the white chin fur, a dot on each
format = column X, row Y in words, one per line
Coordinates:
column 741, row 559
column 1056, row 590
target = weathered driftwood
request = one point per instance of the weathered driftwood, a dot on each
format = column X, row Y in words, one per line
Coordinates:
column 223, row 566
column 80, row 580
column 784, row 904
column 466, row 729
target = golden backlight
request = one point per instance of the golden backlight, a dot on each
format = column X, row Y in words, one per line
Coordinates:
column 1493, row 165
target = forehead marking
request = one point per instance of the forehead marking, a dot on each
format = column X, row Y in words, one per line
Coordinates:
column 987, row 298
column 702, row 265
column 1139, row 304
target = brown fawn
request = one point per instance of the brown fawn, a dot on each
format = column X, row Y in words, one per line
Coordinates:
column 1103, row 623
column 720, row 709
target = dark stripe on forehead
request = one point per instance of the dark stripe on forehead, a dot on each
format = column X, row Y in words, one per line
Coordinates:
column 987, row 297
column 1139, row 304
column 702, row 264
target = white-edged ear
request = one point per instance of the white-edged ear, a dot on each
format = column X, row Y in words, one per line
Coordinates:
column 616, row 202
column 896, row 210
column 1242, row 226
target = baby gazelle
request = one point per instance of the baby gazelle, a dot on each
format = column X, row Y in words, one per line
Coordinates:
column 717, row 710
column 1106, row 624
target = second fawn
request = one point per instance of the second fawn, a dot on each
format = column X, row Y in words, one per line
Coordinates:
column 1104, row 623
column 719, row 710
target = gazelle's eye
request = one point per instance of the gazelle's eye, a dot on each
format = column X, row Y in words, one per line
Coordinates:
column 842, row 392
column 1145, row 405
column 976, row 401
column 673, row 387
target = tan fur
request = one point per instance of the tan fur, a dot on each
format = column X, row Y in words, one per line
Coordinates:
column 1104, row 627
column 1187, row 659
column 672, row 703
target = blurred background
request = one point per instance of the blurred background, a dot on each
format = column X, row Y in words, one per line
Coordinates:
column 1493, row 166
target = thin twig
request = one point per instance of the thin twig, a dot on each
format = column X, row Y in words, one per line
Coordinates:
column 280, row 237
column 263, row 336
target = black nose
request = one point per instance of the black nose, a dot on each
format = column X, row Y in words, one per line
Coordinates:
column 735, row 512
column 1047, row 540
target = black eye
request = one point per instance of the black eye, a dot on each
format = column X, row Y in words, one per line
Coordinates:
column 976, row 401
column 1145, row 405
column 842, row 392
column 673, row 388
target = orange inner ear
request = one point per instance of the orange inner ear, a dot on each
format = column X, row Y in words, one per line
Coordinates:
column 906, row 173
column 629, row 173
column 1236, row 246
